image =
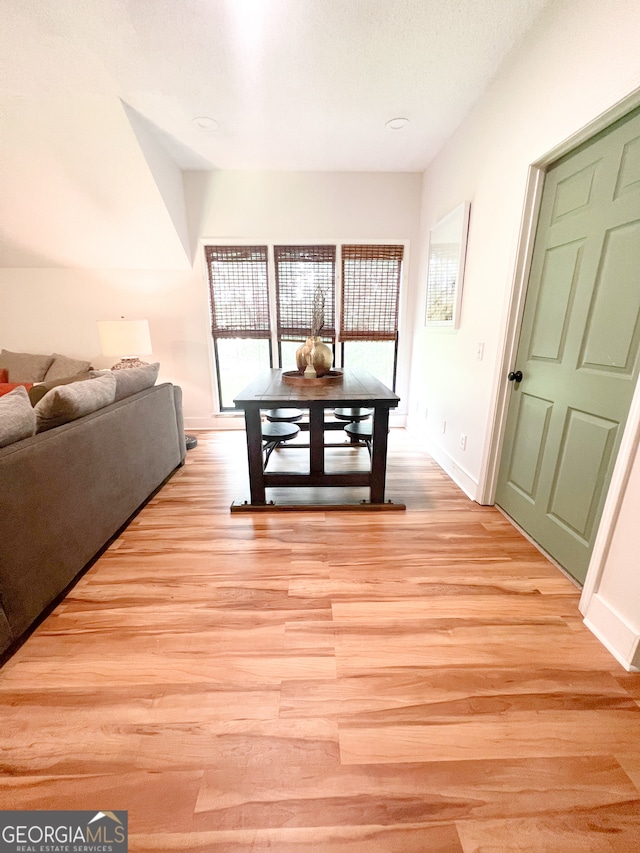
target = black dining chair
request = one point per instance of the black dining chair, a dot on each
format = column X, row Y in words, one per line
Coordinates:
column 274, row 434
column 283, row 415
column 354, row 415
column 360, row 432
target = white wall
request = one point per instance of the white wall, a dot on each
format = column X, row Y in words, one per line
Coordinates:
column 580, row 59
column 56, row 309
column 611, row 602
column 624, row 548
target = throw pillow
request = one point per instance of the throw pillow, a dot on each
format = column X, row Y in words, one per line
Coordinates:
column 66, row 403
column 38, row 391
column 63, row 367
column 6, row 387
column 17, row 418
column 133, row 379
column 24, row 366
column 4, row 374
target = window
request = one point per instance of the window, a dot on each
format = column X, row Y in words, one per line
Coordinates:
column 300, row 271
column 371, row 277
column 239, row 301
column 365, row 296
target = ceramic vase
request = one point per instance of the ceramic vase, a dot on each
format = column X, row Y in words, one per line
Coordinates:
column 316, row 353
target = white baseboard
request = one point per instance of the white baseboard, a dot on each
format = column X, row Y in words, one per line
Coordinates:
column 460, row 477
column 614, row 633
column 224, row 421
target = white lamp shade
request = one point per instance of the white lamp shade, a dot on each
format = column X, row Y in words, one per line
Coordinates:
column 124, row 337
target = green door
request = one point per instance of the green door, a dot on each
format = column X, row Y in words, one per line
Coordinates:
column 578, row 349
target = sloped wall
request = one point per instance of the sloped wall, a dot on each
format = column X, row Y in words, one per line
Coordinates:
column 80, row 190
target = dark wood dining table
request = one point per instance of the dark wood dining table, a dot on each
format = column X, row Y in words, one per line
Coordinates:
column 355, row 388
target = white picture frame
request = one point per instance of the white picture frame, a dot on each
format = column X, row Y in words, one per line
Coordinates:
column 445, row 268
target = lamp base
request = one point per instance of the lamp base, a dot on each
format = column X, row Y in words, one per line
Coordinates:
column 124, row 363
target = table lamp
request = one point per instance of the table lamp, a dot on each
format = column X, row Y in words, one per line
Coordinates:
column 127, row 339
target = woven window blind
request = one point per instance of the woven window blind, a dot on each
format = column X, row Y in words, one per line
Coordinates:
column 370, row 292
column 443, row 272
column 238, row 291
column 300, row 270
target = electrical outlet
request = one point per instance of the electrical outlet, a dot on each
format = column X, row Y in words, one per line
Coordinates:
column 463, row 441
column 480, row 352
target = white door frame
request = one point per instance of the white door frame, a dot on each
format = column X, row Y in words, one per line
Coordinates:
column 502, row 389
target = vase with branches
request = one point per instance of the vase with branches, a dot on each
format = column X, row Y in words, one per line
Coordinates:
column 314, row 358
column 317, row 314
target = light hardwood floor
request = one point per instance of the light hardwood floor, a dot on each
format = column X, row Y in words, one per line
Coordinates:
column 392, row 682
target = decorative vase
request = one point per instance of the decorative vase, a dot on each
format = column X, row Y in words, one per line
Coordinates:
column 316, row 354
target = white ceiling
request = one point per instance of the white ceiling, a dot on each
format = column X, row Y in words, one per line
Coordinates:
column 293, row 84
column 98, row 97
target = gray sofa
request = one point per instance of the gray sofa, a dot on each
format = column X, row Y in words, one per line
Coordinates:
column 65, row 492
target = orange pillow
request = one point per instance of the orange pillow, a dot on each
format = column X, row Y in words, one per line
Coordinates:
column 4, row 375
column 5, row 387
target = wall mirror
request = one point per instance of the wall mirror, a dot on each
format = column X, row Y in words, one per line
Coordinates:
column 447, row 250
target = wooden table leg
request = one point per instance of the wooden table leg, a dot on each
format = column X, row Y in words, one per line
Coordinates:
column 254, row 449
column 379, row 454
column 316, row 440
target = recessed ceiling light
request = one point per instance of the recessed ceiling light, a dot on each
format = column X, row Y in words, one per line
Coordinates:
column 205, row 123
column 397, row 123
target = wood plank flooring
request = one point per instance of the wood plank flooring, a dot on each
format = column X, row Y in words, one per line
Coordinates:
column 335, row 682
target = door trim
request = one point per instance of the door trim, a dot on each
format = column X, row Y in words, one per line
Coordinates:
column 613, row 503
column 502, row 389
column 488, row 480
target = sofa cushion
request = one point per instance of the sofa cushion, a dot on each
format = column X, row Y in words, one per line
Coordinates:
column 17, row 417
column 37, row 392
column 66, row 403
column 63, row 367
column 4, row 374
column 130, row 380
column 25, row 366
column 6, row 387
